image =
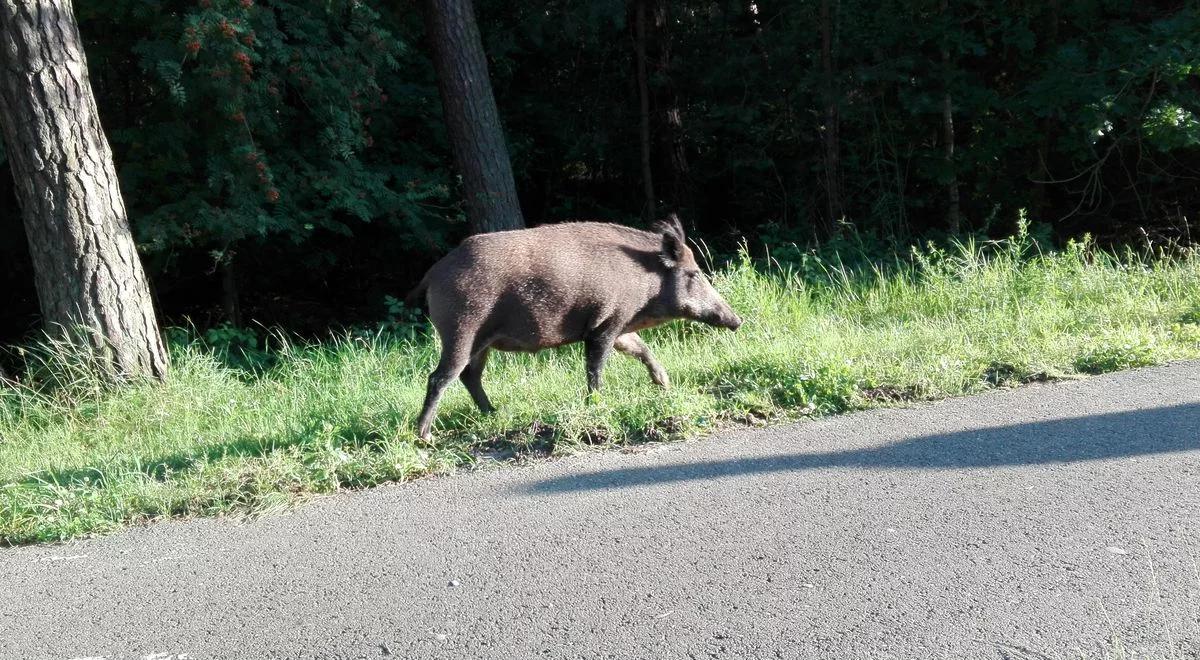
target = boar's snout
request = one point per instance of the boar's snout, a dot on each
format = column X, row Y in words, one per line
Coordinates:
column 725, row 318
column 722, row 316
column 714, row 310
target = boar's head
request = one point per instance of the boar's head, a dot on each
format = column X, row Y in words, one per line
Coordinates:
column 686, row 292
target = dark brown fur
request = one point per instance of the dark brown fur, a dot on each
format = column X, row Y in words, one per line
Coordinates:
column 530, row 289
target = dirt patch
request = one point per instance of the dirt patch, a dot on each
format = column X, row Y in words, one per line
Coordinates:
column 1039, row 377
column 892, row 394
column 533, row 442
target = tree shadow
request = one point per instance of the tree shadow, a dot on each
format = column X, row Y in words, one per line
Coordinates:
column 1074, row 440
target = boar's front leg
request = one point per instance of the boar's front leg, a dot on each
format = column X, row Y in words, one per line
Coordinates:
column 632, row 345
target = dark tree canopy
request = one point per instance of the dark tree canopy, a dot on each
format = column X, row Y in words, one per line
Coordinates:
column 306, row 143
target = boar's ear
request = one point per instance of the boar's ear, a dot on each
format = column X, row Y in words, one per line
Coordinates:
column 673, row 239
column 675, row 224
column 672, row 249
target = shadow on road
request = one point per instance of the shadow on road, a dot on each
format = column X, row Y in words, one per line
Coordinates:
column 1097, row 437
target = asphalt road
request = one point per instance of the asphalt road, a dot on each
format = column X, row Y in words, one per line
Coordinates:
column 1049, row 521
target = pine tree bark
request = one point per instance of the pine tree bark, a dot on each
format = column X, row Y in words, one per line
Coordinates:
column 472, row 119
column 90, row 283
column 831, row 138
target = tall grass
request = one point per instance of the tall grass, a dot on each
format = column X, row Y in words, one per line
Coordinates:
column 78, row 457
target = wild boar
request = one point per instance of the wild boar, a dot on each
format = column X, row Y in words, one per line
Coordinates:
column 530, row 289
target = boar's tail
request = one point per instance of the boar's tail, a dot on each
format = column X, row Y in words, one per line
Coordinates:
column 416, row 297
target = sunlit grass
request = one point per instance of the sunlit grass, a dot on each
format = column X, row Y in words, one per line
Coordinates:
column 77, row 457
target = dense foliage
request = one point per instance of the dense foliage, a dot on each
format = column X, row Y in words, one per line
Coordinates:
column 291, row 154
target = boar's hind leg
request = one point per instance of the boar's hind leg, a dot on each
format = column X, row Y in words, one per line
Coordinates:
column 455, row 357
column 472, row 377
column 631, row 344
column 596, row 350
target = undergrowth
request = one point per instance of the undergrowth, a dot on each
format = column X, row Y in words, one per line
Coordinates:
column 249, row 423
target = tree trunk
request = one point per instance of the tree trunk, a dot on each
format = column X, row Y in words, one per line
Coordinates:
column 830, row 136
column 90, row 282
column 231, row 301
column 953, row 214
column 1047, row 127
column 682, row 197
column 472, row 121
column 649, row 209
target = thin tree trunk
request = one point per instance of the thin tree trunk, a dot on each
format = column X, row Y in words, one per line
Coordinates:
column 90, row 282
column 230, row 297
column 830, row 136
column 1046, row 126
column 682, row 195
column 649, row 208
column 953, row 214
column 472, row 120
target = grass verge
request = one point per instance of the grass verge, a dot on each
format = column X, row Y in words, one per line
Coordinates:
column 77, row 458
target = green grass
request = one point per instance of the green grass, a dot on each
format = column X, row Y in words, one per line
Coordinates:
column 78, row 458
